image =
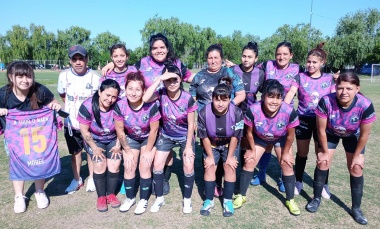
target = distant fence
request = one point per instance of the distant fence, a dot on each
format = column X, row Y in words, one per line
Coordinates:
column 45, row 64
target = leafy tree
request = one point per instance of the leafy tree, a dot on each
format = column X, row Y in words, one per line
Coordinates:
column 99, row 51
column 17, row 40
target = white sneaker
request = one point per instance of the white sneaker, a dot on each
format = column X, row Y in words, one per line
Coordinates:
column 90, row 187
column 41, row 199
column 298, row 188
column 127, row 204
column 20, row 205
column 74, row 186
column 141, row 207
column 326, row 192
column 187, row 206
column 157, row 204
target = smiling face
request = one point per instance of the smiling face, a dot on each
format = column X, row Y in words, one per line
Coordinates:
column 272, row 103
column 283, row 57
column 314, row 65
column 119, row 58
column 214, row 61
column 159, row 51
column 22, row 83
column 134, row 91
column 173, row 84
column 346, row 92
column 107, row 97
column 79, row 64
column 248, row 59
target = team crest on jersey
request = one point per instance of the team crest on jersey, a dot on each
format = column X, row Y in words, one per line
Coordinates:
column 182, row 109
column 289, row 76
column 89, row 86
column 354, row 119
column 126, row 117
column 305, row 85
column 324, row 85
column 258, row 124
column 145, row 118
column 271, row 73
column 280, row 125
column 257, row 84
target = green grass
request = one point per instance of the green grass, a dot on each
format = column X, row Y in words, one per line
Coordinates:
column 264, row 208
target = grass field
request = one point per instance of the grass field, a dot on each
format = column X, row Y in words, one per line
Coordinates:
column 264, row 208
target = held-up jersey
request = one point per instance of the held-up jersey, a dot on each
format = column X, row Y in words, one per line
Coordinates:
column 271, row 128
column 311, row 90
column 152, row 69
column 174, row 114
column 120, row 78
column 77, row 89
column 32, row 142
column 345, row 122
column 86, row 116
column 136, row 122
column 220, row 129
column 253, row 82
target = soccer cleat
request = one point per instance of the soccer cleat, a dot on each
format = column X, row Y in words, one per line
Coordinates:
column 101, row 204
column 19, row 206
column 90, row 187
column 292, row 207
column 141, row 207
column 187, row 206
column 281, row 186
column 298, row 188
column 113, row 201
column 74, row 186
column 157, row 204
column 313, row 205
column 358, row 216
column 207, row 206
column 228, row 208
column 41, row 199
column 166, row 187
column 326, row 192
column 127, row 204
column 239, row 201
column 257, row 181
column 218, row 192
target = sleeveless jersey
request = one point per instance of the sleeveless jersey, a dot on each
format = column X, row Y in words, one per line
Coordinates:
column 32, row 141
column 119, row 77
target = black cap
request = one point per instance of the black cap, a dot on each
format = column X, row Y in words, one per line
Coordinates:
column 77, row 49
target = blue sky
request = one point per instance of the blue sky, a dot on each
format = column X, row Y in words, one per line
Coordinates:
column 126, row 18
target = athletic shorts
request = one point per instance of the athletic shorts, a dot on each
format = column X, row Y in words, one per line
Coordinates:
column 136, row 144
column 349, row 143
column 307, row 128
column 75, row 143
column 278, row 143
column 107, row 147
column 221, row 152
column 165, row 143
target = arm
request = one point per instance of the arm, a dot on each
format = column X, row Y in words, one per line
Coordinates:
column 286, row 155
column 188, row 152
column 149, row 94
column 108, row 68
column 209, row 161
column 357, row 159
column 127, row 153
column 239, row 97
column 231, row 159
column 251, row 152
column 290, row 95
column 54, row 105
column 97, row 152
column 148, row 155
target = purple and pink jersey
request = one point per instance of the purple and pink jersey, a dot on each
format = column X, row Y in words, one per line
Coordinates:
column 271, row 128
column 253, row 82
column 32, row 142
column 284, row 76
column 220, row 129
column 311, row 90
column 152, row 69
column 120, row 77
column 345, row 122
column 136, row 122
column 105, row 134
column 174, row 114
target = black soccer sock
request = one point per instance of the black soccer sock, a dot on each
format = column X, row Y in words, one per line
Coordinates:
column 327, row 177
column 129, row 185
column 209, row 189
column 100, row 183
column 158, row 179
column 319, row 181
column 167, row 172
column 219, row 174
column 228, row 190
column 356, row 184
column 245, row 179
column 289, row 183
column 300, row 167
column 112, row 180
column 145, row 185
column 189, row 184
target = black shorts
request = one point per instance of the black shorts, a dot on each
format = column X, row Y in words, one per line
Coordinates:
column 306, row 128
column 165, row 143
column 107, row 147
column 136, row 144
column 221, row 152
column 349, row 143
column 75, row 143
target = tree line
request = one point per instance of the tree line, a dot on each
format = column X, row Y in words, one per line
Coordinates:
column 356, row 41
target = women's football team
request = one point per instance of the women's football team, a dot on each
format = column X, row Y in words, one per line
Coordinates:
column 141, row 112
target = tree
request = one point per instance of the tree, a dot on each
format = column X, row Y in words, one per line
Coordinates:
column 17, row 40
column 99, row 51
column 41, row 42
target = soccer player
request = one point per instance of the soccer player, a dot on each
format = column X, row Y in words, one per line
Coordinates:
column 75, row 85
column 25, row 94
column 310, row 86
column 270, row 122
column 98, row 130
column 220, row 127
column 137, row 125
column 177, row 108
column 347, row 115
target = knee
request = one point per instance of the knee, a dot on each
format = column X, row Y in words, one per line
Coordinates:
column 356, row 171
